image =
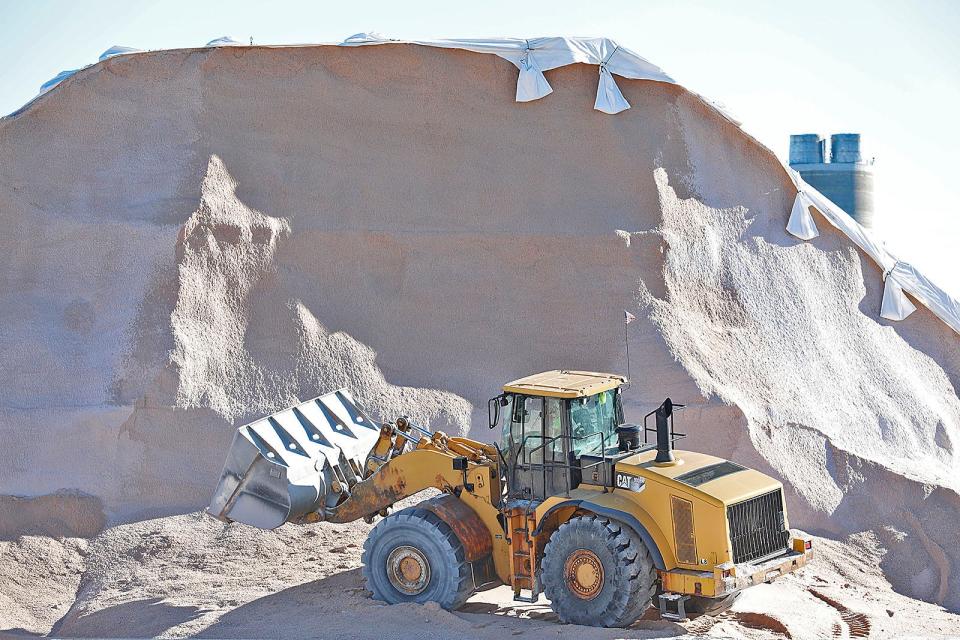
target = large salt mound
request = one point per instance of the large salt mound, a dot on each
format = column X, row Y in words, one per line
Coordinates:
column 196, row 237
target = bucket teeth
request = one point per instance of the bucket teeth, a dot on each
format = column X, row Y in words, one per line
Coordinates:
column 295, row 462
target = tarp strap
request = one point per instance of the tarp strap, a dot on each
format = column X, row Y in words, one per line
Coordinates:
column 890, row 270
column 603, row 63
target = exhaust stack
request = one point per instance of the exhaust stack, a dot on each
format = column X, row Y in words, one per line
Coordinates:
column 664, row 441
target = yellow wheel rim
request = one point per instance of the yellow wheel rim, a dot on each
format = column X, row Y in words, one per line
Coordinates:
column 583, row 573
column 408, row 570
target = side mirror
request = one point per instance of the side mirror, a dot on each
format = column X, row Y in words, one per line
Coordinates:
column 493, row 411
column 493, row 408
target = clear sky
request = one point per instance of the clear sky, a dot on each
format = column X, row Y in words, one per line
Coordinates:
column 888, row 70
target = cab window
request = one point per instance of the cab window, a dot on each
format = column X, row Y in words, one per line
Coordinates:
column 527, row 427
column 536, row 424
column 593, row 422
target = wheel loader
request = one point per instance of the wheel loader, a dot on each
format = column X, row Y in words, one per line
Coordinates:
column 603, row 517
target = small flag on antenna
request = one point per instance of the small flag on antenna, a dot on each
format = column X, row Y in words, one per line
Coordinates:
column 628, row 317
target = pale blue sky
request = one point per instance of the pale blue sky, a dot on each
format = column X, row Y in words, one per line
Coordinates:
column 889, row 70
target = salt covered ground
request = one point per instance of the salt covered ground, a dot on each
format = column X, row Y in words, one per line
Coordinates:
column 191, row 575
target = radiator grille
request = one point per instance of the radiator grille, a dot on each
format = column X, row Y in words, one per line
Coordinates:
column 683, row 530
column 757, row 527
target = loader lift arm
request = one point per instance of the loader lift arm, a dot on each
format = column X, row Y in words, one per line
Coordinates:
column 469, row 476
column 430, row 465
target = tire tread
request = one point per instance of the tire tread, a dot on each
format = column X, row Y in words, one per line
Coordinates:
column 460, row 585
column 633, row 562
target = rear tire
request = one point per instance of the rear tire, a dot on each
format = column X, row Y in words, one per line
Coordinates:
column 597, row 572
column 414, row 556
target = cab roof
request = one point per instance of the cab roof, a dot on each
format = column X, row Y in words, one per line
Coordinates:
column 565, row 384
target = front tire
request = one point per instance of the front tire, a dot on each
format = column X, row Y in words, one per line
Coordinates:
column 414, row 556
column 597, row 572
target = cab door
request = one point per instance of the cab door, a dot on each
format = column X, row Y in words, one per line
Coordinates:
column 535, row 431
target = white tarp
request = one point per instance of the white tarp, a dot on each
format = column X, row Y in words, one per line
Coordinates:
column 895, row 305
column 801, row 222
column 119, row 50
column 899, row 276
column 224, row 41
column 534, row 56
column 116, row 50
column 55, row 80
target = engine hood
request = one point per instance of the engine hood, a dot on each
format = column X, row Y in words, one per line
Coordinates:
column 701, row 474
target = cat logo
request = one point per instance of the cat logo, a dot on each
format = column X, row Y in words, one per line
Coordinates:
column 630, row 483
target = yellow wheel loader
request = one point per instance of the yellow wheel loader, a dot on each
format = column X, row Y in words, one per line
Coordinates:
column 604, row 518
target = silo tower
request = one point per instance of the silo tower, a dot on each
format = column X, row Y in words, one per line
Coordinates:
column 846, row 179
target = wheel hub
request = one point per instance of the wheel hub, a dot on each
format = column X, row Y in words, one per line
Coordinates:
column 584, row 574
column 408, row 570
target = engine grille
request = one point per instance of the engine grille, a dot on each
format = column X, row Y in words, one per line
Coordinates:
column 757, row 527
column 683, row 530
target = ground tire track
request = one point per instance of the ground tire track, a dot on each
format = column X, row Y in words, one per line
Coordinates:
column 858, row 624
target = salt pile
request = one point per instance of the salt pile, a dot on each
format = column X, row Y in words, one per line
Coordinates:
column 197, row 237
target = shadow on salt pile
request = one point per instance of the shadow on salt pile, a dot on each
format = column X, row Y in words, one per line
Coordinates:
column 536, row 611
column 18, row 632
column 540, row 611
column 138, row 619
column 294, row 611
column 339, row 606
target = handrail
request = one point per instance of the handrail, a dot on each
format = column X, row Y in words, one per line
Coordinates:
column 523, row 443
column 547, row 440
column 674, row 435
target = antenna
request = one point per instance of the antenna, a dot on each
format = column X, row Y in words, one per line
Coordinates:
column 627, row 319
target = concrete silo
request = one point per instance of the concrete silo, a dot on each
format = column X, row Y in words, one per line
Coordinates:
column 846, row 179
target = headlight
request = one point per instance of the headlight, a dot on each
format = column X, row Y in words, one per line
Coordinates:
column 630, row 483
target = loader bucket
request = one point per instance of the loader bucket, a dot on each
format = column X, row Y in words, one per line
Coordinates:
column 294, row 462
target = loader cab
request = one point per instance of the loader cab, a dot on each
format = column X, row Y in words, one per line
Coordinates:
column 550, row 423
